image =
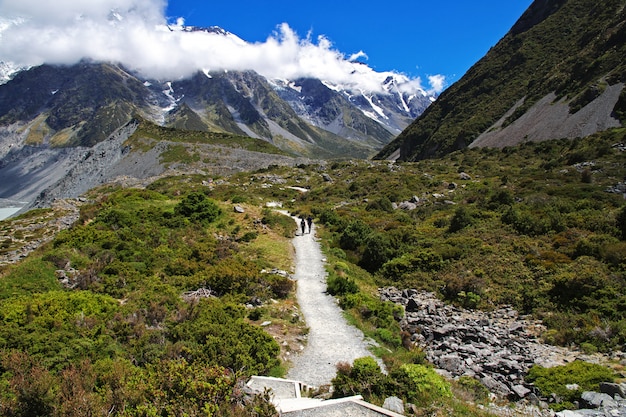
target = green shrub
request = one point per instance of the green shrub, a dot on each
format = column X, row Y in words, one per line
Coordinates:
column 354, row 235
column 421, row 384
column 383, row 204
column 525, row 222
column 29, row 277
column 364, row 377
column 462, row 218
column 340, row 286
column 553, row 380
column 425, row 260
column 329, row 217
column 238, row 199
column 198, row 208
column 280, row 286
column 388, row 337
column 248, row 237
column 479, row 392
column 256, row 313
column 220, row 336
column 379, row 248
column 502, row 197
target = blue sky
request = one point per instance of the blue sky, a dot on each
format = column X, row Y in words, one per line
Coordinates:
column 415, row 37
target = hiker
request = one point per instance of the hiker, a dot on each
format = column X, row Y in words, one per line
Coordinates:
column 309, row 220
column 303, row 225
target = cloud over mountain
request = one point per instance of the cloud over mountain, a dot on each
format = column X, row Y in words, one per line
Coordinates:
column 137, row 34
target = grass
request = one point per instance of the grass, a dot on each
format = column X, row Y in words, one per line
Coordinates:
column 152, row 132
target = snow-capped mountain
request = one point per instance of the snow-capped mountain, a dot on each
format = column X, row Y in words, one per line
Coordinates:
column 393, row 106
column 7, row 71
column 353, row 115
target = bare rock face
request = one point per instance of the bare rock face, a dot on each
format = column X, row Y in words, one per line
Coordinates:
column 497, row 348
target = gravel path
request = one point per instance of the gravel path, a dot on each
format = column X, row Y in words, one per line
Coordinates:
column 330, row 340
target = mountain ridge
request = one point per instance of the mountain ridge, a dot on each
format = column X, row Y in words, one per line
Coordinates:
column 54, row 112
column 573, row 49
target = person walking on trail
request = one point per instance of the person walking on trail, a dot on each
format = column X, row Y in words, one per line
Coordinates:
column 309, row 221
column 303, row 225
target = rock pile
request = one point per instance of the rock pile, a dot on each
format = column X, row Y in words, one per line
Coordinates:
column 498, row 348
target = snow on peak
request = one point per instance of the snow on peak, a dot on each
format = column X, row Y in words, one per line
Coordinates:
column 144, row 40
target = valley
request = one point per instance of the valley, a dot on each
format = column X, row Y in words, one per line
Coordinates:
column 476, row 238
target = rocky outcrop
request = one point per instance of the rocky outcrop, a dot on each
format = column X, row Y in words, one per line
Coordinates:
column 29, row 233
column 497, row 348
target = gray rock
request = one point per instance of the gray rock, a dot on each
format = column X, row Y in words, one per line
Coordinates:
column 497, row 348
column 394, row 404
column 568, row 413
column 495, row 386
column 596, row 400
column 464, row 176
column 612, row 389
column 407, row 206
column 239, row 209
column 451, row 363
column 520, row 390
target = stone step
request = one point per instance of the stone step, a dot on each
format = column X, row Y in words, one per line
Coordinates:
column 286, row 397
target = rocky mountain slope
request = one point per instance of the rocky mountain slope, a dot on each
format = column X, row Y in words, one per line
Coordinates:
column 82, row 104
column 558, row 73
column 137, row 153
column 54, row 119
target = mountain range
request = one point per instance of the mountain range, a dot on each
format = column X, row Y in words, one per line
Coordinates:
column 80, row 105
column 54, row 114
column 558, row 73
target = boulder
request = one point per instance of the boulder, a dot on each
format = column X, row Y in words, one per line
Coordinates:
column 407, row 206
column 451, row 363
column 520, row 390
column 596, row 400
column 394, row 404
column 612, row 389
column 495, row 386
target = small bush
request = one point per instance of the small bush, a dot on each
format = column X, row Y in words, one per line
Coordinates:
column 462, row 218
column 421, row 383
column 474, row 387
column 238, row 199
column 339, row 286
column 354, row 235
column 586, row 375
column 248, row 237
column 281, row 286
column 198, row 208
column 364, row 377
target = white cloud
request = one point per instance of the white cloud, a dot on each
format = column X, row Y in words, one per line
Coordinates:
column 437, row 83
column 136, row 33
column 358, row 55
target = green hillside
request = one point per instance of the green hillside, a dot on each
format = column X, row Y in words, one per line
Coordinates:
column 149, row 134
column 573, row 48
column 115, row 310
